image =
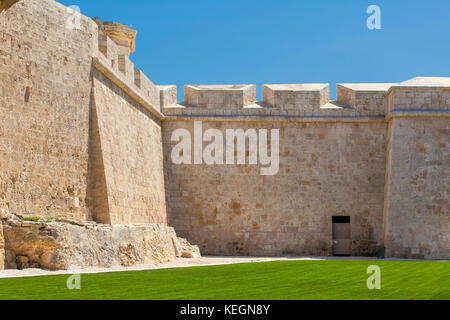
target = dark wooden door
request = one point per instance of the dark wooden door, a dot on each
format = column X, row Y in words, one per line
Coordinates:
column 342, row 239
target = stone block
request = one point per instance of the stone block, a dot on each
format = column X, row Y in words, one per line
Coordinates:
column 368, row 99
column 126, row 66
column 147, row 88
column 109, row 49
column 220, row 97
column 301, row 99
column 168, row 96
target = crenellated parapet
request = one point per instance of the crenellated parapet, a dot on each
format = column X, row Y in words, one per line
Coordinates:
column 109, row 50
column 291, row 100
column 368, row 99
column 116, row 43
column 354, row 100
column 305, row 100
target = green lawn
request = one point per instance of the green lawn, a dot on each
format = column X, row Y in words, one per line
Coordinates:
column 287, row 280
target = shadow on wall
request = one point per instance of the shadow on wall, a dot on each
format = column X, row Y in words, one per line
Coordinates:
column 96, row 190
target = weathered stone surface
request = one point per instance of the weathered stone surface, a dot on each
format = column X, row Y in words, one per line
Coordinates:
column 222, row 97
column 82, row 138
column 368, row 99
column 127, row 152
column 44, row 109
column 61, row 245
column 187, row 250
column 168, row 95
column 329, row 169
column 53, row 162
column 417, row 199
column 296, row 97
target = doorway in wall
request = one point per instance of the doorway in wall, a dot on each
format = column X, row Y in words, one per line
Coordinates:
column 342, row 238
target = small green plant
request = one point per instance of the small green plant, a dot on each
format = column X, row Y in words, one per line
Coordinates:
column 34, row 219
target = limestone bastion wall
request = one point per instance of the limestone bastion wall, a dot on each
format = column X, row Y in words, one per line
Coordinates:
column 80, row 128
column 80, row 139
column 417, row 217
column 45, row 95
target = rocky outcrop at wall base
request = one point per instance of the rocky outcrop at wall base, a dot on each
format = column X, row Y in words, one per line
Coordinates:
column 66, row 245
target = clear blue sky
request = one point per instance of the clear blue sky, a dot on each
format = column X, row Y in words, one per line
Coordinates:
column 281, row 41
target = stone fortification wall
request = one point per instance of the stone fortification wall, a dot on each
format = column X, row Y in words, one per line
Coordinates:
column 325, row 170
column 45, row 93
column 417, row 216
column 86, row 136
column 80, row 126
